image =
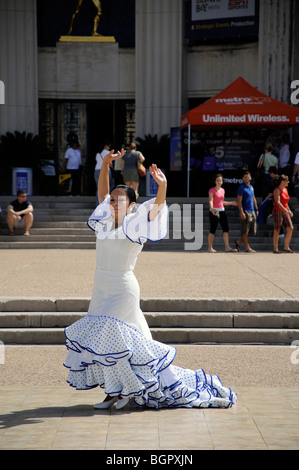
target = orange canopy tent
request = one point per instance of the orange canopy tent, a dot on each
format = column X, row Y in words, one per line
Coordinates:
column 239, row 104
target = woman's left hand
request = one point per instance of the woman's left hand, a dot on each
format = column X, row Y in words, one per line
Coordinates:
column 158, row 175
column 160, row 179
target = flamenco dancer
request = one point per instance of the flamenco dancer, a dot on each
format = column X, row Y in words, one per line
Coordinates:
column 112, row 346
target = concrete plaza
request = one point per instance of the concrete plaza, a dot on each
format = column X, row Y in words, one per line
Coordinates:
column 38, row 410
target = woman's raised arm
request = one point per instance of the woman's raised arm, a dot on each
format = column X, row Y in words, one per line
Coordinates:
column 103, row 182
column 161, row 180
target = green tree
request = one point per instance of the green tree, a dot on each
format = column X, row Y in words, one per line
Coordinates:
column 20, row 149
column 155, row 149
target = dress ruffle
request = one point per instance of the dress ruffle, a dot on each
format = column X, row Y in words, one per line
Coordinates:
column 136, row 225
column 104, row 351
column 101, row 219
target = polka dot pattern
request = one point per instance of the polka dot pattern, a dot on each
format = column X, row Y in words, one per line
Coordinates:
column 106, row 352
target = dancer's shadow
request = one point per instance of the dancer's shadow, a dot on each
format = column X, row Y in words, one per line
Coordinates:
column 38, row 415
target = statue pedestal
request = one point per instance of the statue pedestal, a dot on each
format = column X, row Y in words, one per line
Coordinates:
column 87, row 67
column 87, row 39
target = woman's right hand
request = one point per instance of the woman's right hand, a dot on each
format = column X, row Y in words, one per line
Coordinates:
column 111, row 156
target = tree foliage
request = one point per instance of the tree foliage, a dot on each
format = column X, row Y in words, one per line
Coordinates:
column 20, row 149
column 155, row 149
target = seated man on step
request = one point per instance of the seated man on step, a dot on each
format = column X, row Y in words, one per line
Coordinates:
column 20, row 213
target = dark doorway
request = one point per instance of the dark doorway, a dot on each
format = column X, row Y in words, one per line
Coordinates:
column 106, row 120
column 99, row 129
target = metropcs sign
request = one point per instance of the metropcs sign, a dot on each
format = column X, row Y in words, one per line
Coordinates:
column 245, row 118
column 240, row 104
column 244, row 100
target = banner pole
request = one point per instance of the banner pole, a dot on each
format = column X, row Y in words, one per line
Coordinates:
column 188, row 167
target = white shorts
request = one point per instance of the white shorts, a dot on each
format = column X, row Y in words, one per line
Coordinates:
column 20, row 223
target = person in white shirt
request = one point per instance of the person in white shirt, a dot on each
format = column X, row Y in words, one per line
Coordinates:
column 99, row 161
column 73, row 163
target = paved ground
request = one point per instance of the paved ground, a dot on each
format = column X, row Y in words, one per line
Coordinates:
column 69, row 273
column 39, row 411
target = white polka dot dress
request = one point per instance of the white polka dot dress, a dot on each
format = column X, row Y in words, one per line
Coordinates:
column 112, row 347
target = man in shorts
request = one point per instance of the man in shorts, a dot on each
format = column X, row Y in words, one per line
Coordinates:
column 20, row 214
column 248, row 209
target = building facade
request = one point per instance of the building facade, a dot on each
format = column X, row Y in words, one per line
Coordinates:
column 153, row 60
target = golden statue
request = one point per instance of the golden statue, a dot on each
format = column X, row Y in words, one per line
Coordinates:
column 97, row 4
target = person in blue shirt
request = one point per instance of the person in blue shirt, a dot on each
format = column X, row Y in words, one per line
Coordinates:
column 248, row 212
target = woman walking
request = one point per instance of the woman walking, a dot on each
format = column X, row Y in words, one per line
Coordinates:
column 130, row 167
column 217, row 214
column 282, row 215
column 112, row 346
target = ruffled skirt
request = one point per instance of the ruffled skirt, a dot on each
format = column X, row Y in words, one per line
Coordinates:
column 105, row 351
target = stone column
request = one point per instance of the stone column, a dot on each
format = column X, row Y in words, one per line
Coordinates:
column 18, row 66
column 158, row 66
column 276, row 48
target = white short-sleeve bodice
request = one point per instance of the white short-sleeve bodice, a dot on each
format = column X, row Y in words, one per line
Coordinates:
column 116, row 252
column 116, row 290
column 136, row 225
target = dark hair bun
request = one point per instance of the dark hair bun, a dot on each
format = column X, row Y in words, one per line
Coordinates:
column 129, row 192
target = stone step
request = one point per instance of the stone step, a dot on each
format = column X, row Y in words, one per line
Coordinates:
column 72, row 228
column 39, row 199
column 45, row 231
column 47, row 212
column 62, row 205
column 67, row 224
column 45, row 215
column 171, row 320
column 224, row 335
column 184, row 227
column 266, row 321
column 165, row 335
column 82, row 234
column 149, row 246
column 65, row 237
column 47, row 245
column 80, row 305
